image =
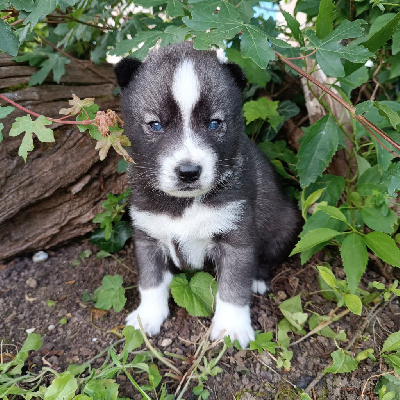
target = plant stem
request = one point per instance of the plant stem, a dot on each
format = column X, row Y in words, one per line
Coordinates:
column 155, row 352
column 321, row 326
column 56, row 120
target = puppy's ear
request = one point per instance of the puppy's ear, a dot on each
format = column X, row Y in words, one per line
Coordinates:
column 125, row 70
column 237, row 74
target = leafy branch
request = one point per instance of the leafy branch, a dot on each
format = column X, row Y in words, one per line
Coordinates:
column 368, row 125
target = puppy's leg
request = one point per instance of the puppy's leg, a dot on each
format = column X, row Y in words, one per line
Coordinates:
column 261, row 284
column 236, row 269
column 154, row 280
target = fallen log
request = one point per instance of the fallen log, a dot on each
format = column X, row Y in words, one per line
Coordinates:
column 53, row 197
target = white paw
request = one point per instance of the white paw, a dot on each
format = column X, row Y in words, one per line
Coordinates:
column 151, row 316
column 234, row 321
column 153, row 308
column 259, row 286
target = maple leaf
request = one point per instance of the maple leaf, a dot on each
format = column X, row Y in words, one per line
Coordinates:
column 117, row 140
column 77, row 105
column 37, row 127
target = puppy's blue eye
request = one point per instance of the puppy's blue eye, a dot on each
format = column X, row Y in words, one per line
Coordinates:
column 155, row 126
column 214, row 124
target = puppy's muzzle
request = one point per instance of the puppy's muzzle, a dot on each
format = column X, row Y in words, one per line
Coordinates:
column 188, row 173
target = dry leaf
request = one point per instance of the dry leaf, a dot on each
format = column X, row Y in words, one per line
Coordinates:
column 77, row 105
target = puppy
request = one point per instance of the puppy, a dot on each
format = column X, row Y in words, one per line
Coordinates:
column 201, row 190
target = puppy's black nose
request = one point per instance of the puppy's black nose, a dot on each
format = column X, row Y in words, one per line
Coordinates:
column 188, row 173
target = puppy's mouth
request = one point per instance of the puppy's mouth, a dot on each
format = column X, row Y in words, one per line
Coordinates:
column 187, row 192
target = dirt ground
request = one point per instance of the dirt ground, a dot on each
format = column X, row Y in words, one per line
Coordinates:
column 26, row 287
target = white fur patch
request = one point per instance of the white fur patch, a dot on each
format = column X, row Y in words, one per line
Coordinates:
column 186, row 89
column 193, row 231
column 192, row 152
column 153, row 308
column 259, row 287
column 234, row 321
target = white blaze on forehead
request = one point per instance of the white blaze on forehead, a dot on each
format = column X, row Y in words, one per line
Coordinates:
column 186, row 88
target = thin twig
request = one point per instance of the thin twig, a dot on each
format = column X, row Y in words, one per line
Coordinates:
column 302, row 57
column 371, row 315
column 321, row 326
column 155, row 352
column 56, row 120
column 86, row 65
column 374, row 376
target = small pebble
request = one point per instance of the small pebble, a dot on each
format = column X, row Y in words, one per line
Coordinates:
column 40, row 256
column 51, row 327
column 30, row 330
column 94, row 339
column 166, row 342
column 32, row 283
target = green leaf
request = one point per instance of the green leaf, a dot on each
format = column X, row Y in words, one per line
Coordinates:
column 384, row 247
column 148, row 38
column 391, row 384
column 262, row 108
column 355, row 258
column 8, row 41
column 294, row 26
column 120, row 233
column 62, row 388
column 392, row 117
column 324, row 23
column 364, row 107
column 313, row 238
column 379, row 38
column 318, row 146
column 392, row 343
column 32, row 342
column 396, row 43
column 110, row 294
column 373, row 218
column 342, row 362
column 173, row 34
column 197, row 296
column 332, row 186
column 327, row 275
column 38, row 127
column 330, row 51
column 331, row 211
column 55, row 63
column 133, row 340
column 263, row 341
column 107, row 389
column 353, row 303
column 174, row 8
column 293, row 312
column 43, row 8
column 26, row 5
column 254, row 44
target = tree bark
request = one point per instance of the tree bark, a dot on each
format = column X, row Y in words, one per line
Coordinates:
column 53, row 197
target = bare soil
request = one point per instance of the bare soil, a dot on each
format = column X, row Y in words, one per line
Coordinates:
column 26, row 287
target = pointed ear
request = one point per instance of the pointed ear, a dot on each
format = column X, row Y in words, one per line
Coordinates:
column 237, row 74
column 125, row 70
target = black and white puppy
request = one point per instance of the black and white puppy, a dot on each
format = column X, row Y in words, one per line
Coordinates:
column 201, row 190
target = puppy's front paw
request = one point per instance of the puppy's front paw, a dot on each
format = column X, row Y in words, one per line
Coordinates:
column 151, row 317
column 234, row 321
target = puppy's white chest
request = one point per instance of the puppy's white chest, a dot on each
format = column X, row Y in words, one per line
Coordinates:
column 192, row 232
